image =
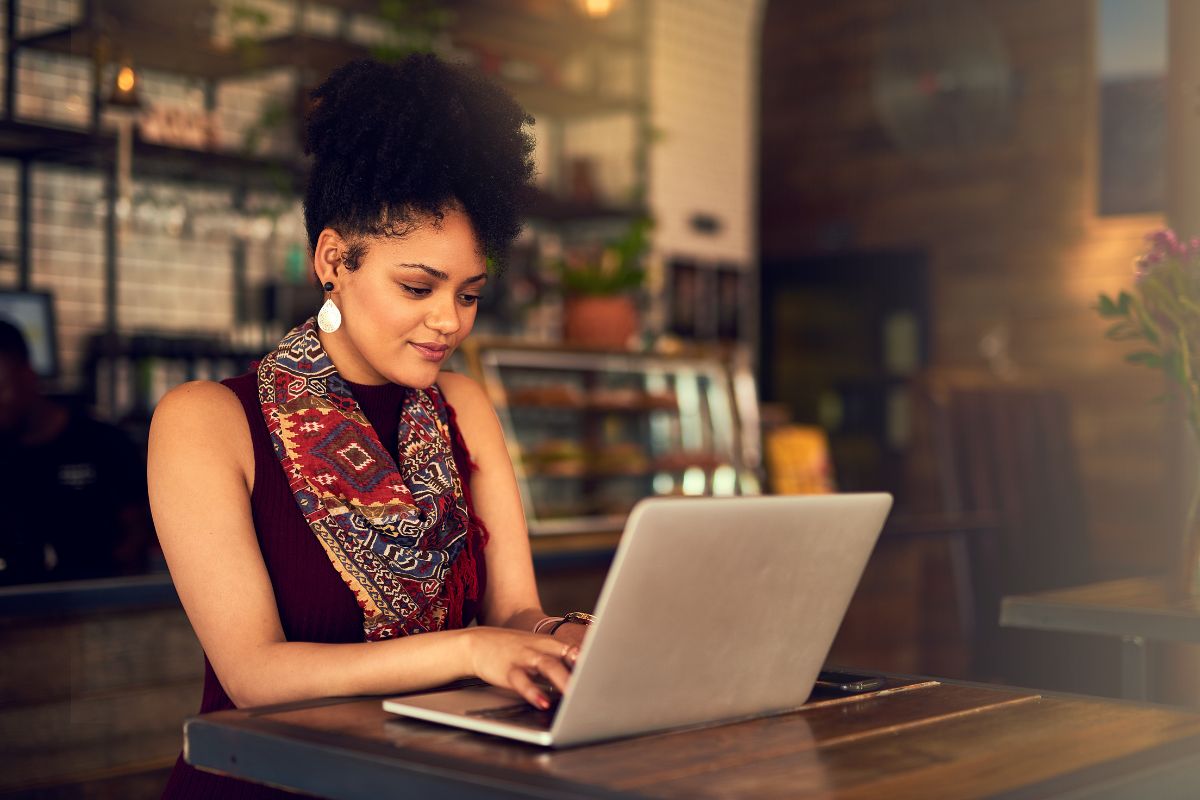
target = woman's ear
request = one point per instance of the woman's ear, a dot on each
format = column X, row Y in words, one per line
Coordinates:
column 327, row 259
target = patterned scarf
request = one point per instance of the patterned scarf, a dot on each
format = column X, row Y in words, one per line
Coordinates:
column 399, row 537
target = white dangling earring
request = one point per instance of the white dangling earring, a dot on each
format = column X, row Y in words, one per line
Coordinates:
column 329, row 318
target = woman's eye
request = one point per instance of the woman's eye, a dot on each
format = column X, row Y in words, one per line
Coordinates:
column 469, row 299
column 416, row 291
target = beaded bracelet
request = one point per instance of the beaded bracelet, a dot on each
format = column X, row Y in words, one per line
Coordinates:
column 577, row 617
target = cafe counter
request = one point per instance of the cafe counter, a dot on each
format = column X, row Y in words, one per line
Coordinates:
column 95, row 678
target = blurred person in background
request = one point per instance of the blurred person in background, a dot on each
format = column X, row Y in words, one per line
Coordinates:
column 335, row 519
column 81, row 484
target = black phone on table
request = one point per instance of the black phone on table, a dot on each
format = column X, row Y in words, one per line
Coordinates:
column 847, row 682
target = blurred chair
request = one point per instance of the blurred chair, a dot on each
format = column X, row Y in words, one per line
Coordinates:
column 1006, row 450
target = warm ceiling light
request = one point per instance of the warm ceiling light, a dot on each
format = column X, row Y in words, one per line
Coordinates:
column 123, row 91
column 598, row 8
column 126, row 79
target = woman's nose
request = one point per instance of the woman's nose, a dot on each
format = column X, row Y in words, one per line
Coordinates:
column 444, row 317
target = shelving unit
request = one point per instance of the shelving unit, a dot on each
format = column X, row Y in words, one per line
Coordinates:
column 177, row 38
column 25, row 141
column 860, row 323
column 133, row 372
column 592, row 432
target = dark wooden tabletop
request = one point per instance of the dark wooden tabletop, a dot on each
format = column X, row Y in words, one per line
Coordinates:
column 1128, row 607
column 915, row 739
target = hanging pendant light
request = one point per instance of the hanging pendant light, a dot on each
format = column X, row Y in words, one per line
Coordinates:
column 124, row 90
column 597, row 9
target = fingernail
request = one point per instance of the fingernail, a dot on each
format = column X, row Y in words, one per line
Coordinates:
column 572, row 655
column 543, row 703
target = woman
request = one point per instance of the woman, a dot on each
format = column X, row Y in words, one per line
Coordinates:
column 321, row 510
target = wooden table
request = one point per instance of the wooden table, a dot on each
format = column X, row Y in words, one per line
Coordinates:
column 914, row 739
column 1135, row 609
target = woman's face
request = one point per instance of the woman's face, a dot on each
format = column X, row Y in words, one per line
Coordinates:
column 411, row 301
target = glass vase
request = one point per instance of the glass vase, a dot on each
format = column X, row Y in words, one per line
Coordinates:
column 1185, row 573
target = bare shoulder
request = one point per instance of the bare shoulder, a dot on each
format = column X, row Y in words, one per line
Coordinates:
column 463, row 393
column 202, row 414
column 197, row 404
column 477, row 421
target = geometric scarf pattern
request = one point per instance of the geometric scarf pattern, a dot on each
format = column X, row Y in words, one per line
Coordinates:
column 393, row 532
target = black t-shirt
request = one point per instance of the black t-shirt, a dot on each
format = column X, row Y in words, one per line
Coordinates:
column 70, row 499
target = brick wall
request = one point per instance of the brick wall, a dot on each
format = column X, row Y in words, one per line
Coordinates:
column 175, row 265
column 703, row 90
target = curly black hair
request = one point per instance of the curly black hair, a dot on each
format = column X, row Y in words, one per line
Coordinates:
column 396, row 144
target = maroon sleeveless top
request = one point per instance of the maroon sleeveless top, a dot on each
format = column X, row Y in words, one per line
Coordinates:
column 314, row 604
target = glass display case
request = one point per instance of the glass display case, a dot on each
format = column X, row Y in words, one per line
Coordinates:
column 591, row 433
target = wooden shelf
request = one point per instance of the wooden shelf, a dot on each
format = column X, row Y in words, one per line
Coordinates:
column 156, row 45
column 550, row 207
column 594, row 407
column 504, row 26
column 553, row 101
column 74, row 147
column 591, row 542
column 42, row 142
column 497, row 26
column 594, row 475
column 611, row 524
column 177, row 38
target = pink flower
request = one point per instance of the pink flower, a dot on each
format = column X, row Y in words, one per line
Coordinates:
column 1141, row 268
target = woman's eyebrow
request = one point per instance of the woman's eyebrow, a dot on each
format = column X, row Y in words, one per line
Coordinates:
column 442, row 276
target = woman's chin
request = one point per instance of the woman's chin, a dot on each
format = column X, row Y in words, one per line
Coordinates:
column 421, row 378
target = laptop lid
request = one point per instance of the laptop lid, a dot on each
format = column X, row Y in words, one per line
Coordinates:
column 717, row 609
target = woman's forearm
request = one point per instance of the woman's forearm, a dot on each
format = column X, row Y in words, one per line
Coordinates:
column 292, row 671
column 524, row 619
column 527, row 618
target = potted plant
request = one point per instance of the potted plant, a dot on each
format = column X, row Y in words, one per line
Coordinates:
column 1162, row 315
column 599, row 290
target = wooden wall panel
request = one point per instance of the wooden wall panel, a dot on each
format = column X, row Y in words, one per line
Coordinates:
column 1009, row 228
column 95, row 695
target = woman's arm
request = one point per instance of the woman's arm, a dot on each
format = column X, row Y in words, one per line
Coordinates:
column 201, row 466
column 511, row 598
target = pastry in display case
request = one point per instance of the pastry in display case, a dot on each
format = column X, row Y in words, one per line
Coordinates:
column 593, row 432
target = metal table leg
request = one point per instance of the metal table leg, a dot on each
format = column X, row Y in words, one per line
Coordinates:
column 1133, row 668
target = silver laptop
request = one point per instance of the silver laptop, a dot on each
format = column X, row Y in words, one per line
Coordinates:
column 715, row 609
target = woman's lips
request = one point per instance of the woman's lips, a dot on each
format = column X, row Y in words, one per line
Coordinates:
column 431, row 351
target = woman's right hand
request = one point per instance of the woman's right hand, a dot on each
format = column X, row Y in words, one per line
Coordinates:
column 512, row 659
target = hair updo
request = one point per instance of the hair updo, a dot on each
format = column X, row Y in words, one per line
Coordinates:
column 396, row 144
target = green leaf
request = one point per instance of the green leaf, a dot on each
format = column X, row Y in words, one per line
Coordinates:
column 1123, row 331
column 1123, row 302
column 1149, row 329
column 1107, row 307
column 620, row 271
column 1174, row 367
column 1145, row 357
column 1189, row 304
